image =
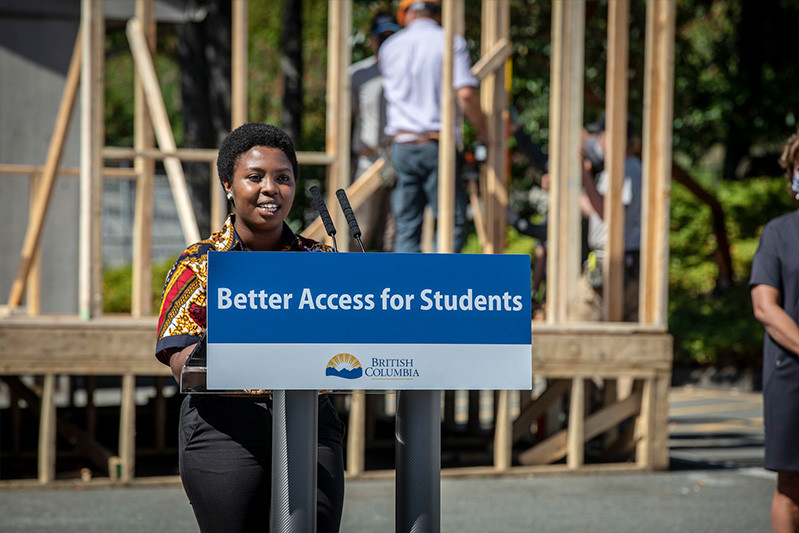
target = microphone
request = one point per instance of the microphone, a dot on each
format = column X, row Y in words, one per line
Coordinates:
column 322, row 208
column 350, row 216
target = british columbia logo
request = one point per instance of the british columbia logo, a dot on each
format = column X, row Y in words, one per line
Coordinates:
column 344, row 366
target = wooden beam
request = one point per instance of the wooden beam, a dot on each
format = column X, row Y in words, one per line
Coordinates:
column 558, row 445
column 92, row 104
column 445, row 220
column 616, row 153
column 83, row 441
column 69, row 345
column 219, row 203
column 565, row 168
column 494, row 59
column 163, row 130
column 45, row 188
column 33, row 281
column 107, row 172
column 356, row 434
column 575, row 434
column 601, row 354
column 538, row 407
column 207, row 155
column 503, row 433
column 338, row 107
column 656, row 188
column 477, row 212
column 360, row 191
column 127, row 427
column 47, row 431
column 239, row 62
column 141, row 283
column 652, row 432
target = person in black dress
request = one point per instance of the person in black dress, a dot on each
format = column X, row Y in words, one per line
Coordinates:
column 774, row 287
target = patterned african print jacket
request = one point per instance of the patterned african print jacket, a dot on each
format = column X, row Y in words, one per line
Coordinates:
column 181, row 319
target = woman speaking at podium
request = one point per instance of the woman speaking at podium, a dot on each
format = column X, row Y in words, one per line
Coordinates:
column 225, row 440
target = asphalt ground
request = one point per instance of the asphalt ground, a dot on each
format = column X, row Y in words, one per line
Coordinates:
column 715, row 483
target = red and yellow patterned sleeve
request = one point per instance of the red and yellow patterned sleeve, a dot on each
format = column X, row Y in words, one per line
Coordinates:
column 181, row 319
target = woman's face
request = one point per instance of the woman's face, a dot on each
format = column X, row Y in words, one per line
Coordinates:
column 795, row 166
column 263, row 189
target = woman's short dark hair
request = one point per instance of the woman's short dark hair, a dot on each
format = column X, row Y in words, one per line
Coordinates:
column 789, row 154
column 247, row 136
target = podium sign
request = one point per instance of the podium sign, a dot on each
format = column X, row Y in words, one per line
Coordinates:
column 304, row 320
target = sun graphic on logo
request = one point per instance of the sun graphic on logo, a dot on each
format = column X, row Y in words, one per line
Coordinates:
column 345, row 366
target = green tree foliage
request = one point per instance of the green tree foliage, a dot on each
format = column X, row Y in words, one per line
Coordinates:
column 710, row 327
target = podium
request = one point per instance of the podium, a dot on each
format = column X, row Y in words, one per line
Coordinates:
column 414, row 323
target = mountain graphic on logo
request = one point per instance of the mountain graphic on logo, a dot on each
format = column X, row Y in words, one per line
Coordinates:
column 344, row 366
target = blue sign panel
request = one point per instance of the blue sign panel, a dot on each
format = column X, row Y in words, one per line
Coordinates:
column 301, row 320
column 301, row 297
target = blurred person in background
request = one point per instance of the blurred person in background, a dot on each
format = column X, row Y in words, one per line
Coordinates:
column 774, row 287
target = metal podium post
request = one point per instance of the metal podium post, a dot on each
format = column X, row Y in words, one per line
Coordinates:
column 418, row 458
column 294, row 456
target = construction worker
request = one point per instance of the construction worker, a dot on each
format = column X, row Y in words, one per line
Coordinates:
column 410, row 62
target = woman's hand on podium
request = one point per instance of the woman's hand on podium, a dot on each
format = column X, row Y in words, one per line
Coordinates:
column 178, row 358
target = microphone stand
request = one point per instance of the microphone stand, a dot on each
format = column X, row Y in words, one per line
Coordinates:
column 350, row 216
column 324, row 214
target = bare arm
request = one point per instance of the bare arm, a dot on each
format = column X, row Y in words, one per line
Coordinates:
column 589, row 186
column 585, row 206
column 469, row 103
column 779, row 325
column 177, row 358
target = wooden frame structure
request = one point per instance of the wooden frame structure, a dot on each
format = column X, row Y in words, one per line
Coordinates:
column 568, row 355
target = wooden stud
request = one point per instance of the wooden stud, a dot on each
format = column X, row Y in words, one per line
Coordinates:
column 92, row 139
column 657, row 137
column 127, row 427
column 141, row 283
column 493, row 97
column 47, row 431
column 239, row 63
column 360, row 191
column 560, row 444
column 616, row 153
column 538, row 407
column 445, row 222
column 493, row 59
column 356, row 434
column 503, row 433
column 163, row 130
column 219, row 204
column 565, row 168
column 33, row 283
column 575, row 451
column 338, row 108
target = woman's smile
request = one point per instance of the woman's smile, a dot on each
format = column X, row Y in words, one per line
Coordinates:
column 262, row 190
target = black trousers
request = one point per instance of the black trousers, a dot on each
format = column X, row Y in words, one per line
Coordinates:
column 225, row 457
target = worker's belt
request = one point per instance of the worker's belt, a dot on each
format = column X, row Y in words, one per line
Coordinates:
column 421, row 138
column 368, row 152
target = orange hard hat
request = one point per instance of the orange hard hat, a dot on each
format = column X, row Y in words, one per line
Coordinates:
column 405, row 4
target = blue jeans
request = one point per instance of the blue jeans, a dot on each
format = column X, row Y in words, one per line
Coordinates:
column 417, row 187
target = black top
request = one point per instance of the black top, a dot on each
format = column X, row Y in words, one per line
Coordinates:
column 776, row 263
